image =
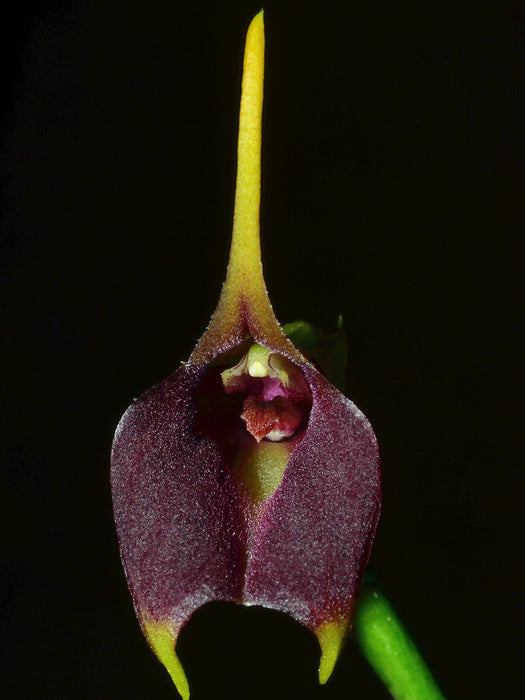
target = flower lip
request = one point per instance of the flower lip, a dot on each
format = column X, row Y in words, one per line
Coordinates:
column 276, row 397
column 274, row 420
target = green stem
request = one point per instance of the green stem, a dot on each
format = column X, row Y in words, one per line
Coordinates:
column 389, row 648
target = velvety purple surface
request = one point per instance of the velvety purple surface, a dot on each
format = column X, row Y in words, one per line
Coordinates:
column 317, row 533
column 178, row 513
column 175, row 505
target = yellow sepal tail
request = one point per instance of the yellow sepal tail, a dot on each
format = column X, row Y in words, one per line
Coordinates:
column 244, row 299
column 331, row 636
column 162, row 640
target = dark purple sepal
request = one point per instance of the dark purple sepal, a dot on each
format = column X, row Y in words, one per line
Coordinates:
column 316, row 535
column 175, row 505
column 179, row 514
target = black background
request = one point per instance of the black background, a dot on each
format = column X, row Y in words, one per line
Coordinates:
column 392, row 193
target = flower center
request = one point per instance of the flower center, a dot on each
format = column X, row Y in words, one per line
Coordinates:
column 277, row 399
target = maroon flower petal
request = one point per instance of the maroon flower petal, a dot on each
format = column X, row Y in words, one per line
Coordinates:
column 181, row 518
column 176, row 511
column 315, row 538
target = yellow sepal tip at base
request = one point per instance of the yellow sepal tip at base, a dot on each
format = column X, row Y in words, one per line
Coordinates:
column 331, row 636
column 162, row 640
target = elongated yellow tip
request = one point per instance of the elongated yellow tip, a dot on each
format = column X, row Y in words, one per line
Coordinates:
column 162, row 640
column 331, row 636
column 244, row 308
column 245, row 253
column 244, row 278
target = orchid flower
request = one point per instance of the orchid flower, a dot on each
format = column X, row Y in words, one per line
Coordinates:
column 246, row 476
